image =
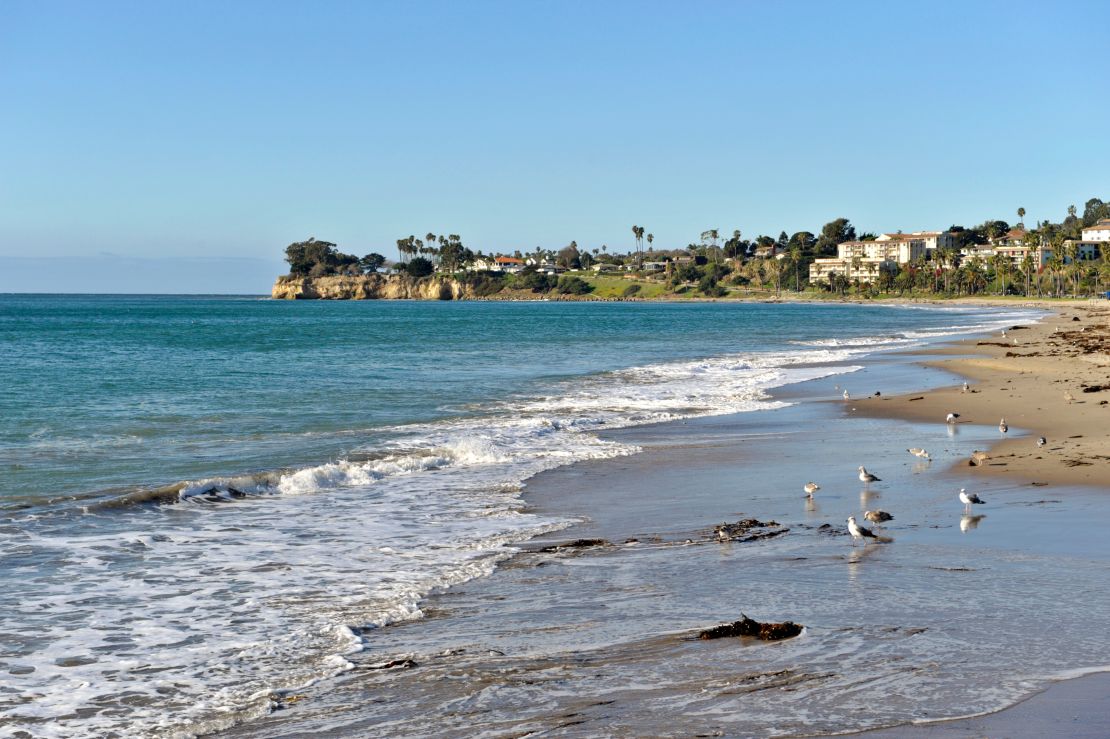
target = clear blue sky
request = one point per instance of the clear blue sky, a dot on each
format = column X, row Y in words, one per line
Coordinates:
column 147, row 145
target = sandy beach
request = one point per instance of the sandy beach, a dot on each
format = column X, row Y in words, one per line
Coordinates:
column 589, row 630
column 1051, row 379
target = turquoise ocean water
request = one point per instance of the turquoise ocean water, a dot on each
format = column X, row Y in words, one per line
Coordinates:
column 204, row 500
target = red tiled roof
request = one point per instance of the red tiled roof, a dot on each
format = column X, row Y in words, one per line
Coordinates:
column 508, row 260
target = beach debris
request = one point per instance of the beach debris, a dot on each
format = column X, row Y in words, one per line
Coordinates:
column 1002, row 426
column 1042, row 441
column 867, row 477
column 750, row 627
column 916, row 397
column 811, row 488
column 861, row 532
column 951, row 418
column 576, row 544
column 878, row 394
column 970, row 499
column 877, row 516
column 748, row 529
column 977, row 458
column 1095, row 388
column 919, row 453
column 393, row 664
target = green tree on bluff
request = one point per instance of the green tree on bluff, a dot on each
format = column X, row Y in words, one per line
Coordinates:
column 371, row 262
column 312, row 258
column 833, row 233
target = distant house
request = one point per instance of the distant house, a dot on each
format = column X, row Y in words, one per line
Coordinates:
column 499, row 264
column 1013, row 237
column 863, row 260
column 1098, row 233
column 931, row 239
column 605, row 267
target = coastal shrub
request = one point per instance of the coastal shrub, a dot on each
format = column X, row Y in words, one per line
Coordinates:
column 535, row 281
column 569, row 285
column 419, row 267
column 687, row 273
column 484, row 284
column 740, row 279
column 631, row 290
column 707, row 283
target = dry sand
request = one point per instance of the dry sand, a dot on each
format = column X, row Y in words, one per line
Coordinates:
column 1051, row 379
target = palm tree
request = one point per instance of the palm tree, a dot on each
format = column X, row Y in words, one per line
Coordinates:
column 650, row 238
column 1021, row 216
column 1027, row 268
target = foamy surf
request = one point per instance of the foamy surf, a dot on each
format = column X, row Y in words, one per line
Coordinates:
column 183, row 619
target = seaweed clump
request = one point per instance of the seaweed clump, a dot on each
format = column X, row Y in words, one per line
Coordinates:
column 750, row 627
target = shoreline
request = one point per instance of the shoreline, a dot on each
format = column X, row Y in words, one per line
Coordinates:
column 541, row 615
column 1050, row 379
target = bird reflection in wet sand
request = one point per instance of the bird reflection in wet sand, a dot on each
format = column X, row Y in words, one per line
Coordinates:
column 855, row 558
column 969, row 522
column 920, row 467
column 866, row 496
column 811, row 507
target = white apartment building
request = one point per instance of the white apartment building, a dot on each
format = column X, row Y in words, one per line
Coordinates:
column 1098, row 233
column 863, row 260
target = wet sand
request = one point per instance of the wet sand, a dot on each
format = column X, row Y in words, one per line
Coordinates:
column 959, row 615
column 1051, row 379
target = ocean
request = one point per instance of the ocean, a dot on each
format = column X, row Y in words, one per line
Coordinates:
column 207, row 503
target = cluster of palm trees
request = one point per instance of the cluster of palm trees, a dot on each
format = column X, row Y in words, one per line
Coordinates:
column 430, row 247
column 638, row 234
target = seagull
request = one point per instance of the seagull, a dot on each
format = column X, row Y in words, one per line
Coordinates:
column 966, row 388
column 811, row 488
column 847, row 395
column 952, row 417
column 859, row 532
column 970, row 499
column 1002, row 426
column 1042, row 441
column 865, row 476
column 877, row 516
column 1003, row 333
column 978, row 457
column 919, row 453
column 1068, row 396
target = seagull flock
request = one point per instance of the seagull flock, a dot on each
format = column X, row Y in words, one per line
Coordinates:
column 878, row 517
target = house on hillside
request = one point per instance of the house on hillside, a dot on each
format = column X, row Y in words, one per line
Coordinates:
column 864, row 260
column 499, row 264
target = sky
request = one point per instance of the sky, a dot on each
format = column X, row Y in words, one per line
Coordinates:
column 179, row 147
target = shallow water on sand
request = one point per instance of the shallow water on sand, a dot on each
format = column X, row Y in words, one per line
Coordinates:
column 956, row 616
column 209, row 503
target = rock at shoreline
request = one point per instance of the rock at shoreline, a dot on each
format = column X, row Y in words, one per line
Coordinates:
column 750, row 627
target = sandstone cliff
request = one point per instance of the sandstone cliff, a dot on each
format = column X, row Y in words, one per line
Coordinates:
column 369, row 287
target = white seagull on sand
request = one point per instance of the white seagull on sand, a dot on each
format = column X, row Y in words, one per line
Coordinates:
column 965, row 388
column 865, row 476
column 1042, row 441
column 952, row 417
column 970, row 499
column 847, row 395
column 1002, row 426
column 811, row 488
column 919, row 453
column 859, row 532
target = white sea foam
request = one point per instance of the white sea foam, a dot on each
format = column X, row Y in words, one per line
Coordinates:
column 188, row 618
